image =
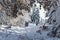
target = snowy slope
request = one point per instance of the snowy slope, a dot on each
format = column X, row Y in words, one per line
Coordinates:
column 28, row 33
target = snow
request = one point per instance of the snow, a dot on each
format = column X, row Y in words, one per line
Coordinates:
column 26, row 33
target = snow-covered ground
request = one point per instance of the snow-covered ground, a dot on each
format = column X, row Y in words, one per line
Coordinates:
column 26, row 33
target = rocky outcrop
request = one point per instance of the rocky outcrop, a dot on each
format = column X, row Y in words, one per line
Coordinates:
column 16, row 12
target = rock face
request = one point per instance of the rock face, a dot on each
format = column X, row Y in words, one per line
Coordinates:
column 20, row 20
column 15, row 12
